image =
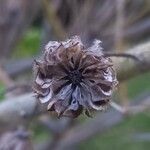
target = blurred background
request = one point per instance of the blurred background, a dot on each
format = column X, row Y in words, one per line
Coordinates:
column 26, row 26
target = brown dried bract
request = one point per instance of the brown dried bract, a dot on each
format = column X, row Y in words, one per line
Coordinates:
column 72, row 78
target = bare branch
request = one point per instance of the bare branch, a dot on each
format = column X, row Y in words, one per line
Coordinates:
column 19, row 110
column 127, row 68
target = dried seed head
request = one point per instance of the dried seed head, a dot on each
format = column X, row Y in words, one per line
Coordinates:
column 72, row 78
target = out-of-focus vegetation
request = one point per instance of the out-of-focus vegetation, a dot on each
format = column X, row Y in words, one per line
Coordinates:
column 29, row 44
column 138, row 85
column 2, row 91
column 122, row 136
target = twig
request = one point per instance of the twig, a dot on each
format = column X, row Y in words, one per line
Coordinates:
column 117, row 107
column 122, row 55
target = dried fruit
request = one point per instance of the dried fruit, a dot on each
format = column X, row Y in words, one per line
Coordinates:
column 72, row 78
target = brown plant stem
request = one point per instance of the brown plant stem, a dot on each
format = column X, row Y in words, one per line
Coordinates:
column 121, row 55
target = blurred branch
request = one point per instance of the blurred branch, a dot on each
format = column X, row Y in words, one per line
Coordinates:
column 19, row 110
column 53, row 19
column 5, row 79
column 144, row 105
column 15, row 17
column 97, row 125
column 15, row 68
column 55, row 126
column 137, row 108
column 118, row 107
column 138, row 29
column 132, row 18
column 134, row 31
column 127, row 68
column 140, row 137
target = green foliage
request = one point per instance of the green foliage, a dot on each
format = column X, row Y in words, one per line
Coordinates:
column 39, row 132
column 120, row 137
column 2, row 91
column 29, row 45
column 138, row 85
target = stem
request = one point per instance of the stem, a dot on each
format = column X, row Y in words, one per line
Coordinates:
column 122, row 55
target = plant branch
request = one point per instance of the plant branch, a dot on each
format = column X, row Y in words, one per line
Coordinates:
column 127, row 68
column 121, row 55
column 19, row 110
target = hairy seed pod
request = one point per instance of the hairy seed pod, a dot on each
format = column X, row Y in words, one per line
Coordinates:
column 71, row 78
